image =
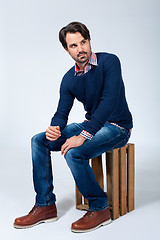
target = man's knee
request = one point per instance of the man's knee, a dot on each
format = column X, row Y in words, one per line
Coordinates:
column 73, row 155
column 38, row 138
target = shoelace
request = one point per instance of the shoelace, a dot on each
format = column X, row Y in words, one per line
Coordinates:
column 34, row 210
column 89, row 214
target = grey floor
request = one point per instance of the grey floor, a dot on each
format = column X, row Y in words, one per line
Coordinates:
column 17, row 198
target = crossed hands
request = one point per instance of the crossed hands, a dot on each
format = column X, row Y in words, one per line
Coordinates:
column 53, row 133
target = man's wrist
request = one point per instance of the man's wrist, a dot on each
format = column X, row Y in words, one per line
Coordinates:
column 82, row 137
column 86, row 135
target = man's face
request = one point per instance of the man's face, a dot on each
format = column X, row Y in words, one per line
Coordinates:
column 78, row 47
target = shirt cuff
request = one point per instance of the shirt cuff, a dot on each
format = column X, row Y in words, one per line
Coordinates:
column 86, row 134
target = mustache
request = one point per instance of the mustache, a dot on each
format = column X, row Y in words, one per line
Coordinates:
column 80, row 53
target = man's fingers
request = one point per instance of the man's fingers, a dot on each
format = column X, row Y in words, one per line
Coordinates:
column 51, row 139
column 52, row 134
column 52, row 129
column 65, row 149
column 62, row 148
column 72, row 142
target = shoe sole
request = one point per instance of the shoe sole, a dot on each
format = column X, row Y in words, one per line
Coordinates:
column 42, row 221
column 91, row 229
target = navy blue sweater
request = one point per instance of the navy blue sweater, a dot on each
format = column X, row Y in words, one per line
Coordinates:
column 101, row 90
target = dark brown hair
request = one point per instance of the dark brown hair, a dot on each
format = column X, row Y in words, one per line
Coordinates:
column 73, row 27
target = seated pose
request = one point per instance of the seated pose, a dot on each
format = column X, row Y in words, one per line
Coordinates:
column 96, row 81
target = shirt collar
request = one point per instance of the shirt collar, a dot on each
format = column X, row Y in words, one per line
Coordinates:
column 93, row 59
column 92, row 62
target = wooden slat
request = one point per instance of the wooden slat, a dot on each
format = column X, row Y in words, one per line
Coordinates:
column 109, row 176
column 85, row 201
column 123, row 181
column 115, row 184
column 82, row 207
column 98, row 170
column 130, row 177
column 78, row 197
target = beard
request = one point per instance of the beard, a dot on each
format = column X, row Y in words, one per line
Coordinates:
column 82, row 57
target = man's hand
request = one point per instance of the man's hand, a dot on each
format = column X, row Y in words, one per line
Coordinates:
column 53, row 133
column 72, row 142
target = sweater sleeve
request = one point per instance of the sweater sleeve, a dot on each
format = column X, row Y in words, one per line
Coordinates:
column 65, row 104
column 110, row 95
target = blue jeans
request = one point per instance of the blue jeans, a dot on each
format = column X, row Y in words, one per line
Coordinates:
column 107, row 138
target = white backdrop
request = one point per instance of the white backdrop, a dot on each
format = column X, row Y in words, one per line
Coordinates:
column 33, row 62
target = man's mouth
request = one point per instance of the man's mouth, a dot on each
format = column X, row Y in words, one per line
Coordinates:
column 81, row 54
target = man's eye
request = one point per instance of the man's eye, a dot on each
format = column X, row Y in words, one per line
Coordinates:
column 73, row 45
column 83, row 42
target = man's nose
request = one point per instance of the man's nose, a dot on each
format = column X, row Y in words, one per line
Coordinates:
column 80, row 48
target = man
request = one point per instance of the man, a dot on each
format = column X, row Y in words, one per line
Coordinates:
column 96, row 81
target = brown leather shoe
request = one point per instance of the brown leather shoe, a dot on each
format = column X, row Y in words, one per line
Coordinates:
column 91, row 221
column 37, row 215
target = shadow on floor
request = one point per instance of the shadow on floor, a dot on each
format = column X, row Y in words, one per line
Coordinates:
column 64, row 206
column 147, row 186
